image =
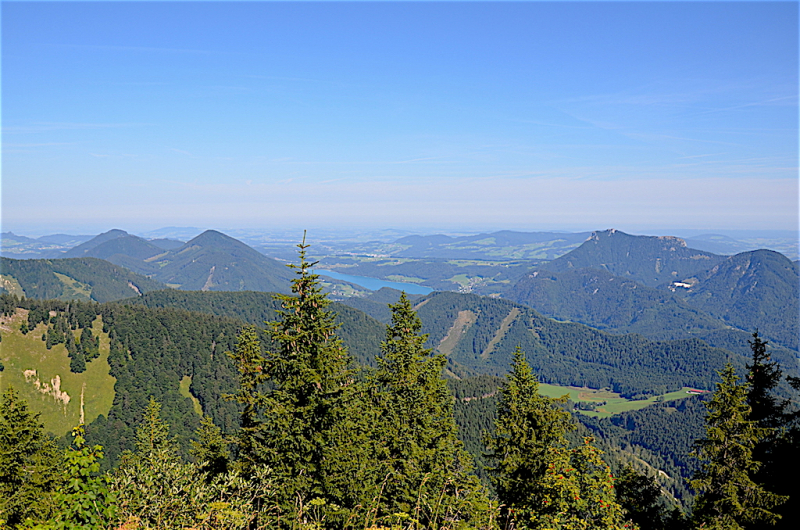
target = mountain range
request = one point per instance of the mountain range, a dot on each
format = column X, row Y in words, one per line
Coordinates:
column 658, row 287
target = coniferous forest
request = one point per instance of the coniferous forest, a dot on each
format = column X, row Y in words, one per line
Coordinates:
column 301, row 427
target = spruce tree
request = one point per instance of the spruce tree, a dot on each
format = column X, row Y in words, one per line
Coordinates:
column 728, row 497
column 541, row 482
column 640, row 496
column 425, row 463
column 764, row 375
column 309, row 427
column 528, row 425
column 29, row 463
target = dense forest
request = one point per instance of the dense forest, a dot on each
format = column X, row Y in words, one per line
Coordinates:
column 297, row 431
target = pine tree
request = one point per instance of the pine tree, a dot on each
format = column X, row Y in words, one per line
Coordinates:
column 728, row 497
column 423, row 457
column 640, row 496
column 249, row 359
column 541, row 482
column 211, row 449
column 29, row 463
column 309, row 428
column 528, row 425
column 764, row 376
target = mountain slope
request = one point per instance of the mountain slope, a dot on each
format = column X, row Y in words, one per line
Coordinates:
column 602, row 300
column 649, row 260
column 213, row 261
column 74, row 279
column 479, row 335
column 360, row 333
column 758, row 289
column 83, row 249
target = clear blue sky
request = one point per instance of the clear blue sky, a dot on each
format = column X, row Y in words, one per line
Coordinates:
column 526, row 115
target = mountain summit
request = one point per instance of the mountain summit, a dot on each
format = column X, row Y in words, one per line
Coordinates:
column 650, row 260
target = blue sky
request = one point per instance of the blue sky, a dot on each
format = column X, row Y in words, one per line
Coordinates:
column 524, row 115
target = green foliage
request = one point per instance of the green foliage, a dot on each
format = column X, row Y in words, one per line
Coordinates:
column 156, row 489
column 576, row 493
column 422, row 455
column 528, row 425
column 764, row 375
column 309, row 428
column 211, row 449
column 777, row 450
column 83, row 501
column 728, row 496
column 29, row 462
column 540, row 482
column 640, row 496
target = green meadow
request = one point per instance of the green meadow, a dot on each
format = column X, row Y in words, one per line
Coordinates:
column 614, row 402
column 42, row 377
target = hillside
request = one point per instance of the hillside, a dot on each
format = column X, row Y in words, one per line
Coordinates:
column 360, row 333
column 479, row 335
column 72, row 278
column 43, row 378
column 651, row 261
column 758, row 289
column 602, row 300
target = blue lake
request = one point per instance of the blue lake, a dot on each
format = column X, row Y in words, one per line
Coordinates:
column 374, row 283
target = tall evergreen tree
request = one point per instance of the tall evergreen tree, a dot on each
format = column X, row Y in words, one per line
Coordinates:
column 424, row 460
column 728, row 496
column 309, row 428
column 527, row 426
column 640, row 496
column 84, row 500
column 764, row 376
column 540, row 482
column 249, row 359
column 29, row 463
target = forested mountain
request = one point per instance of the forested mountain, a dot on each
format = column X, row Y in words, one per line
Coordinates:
column 602, row 300
column 361, row 333
column 758, row 289
column 112, row 243
column 649, row 260
column 211, row 261
column 619, row 305
column 72, row 279
column 479, row 335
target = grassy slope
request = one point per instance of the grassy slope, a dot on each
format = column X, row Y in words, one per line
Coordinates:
column 24, row 352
